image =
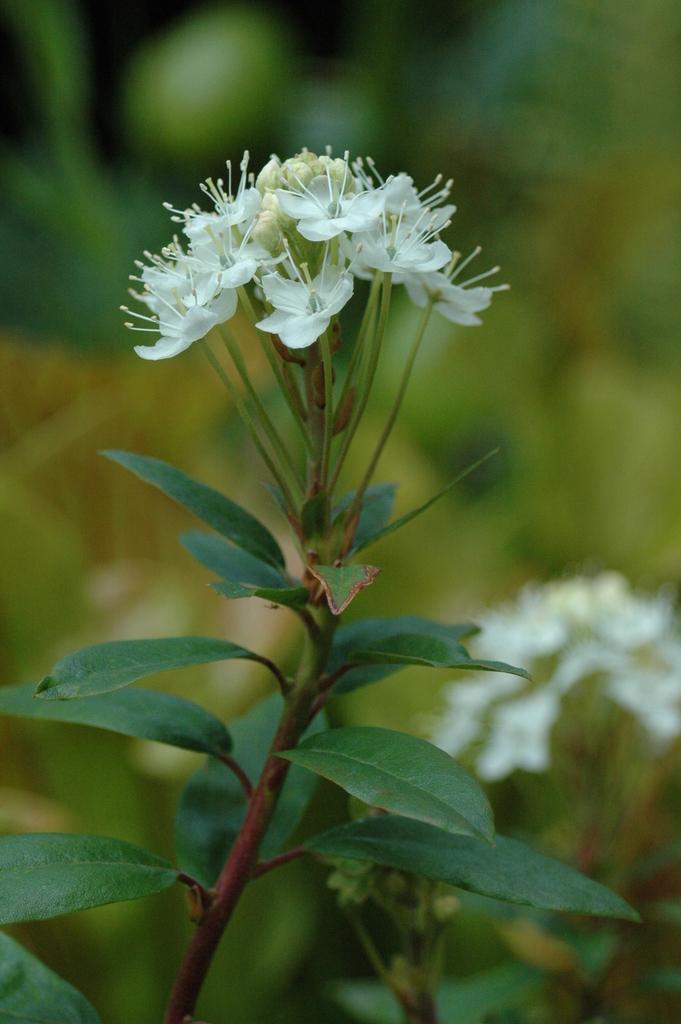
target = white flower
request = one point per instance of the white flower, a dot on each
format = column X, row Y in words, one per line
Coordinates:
column 303, row 308
column 467, row 704
column 527, row 629
column 591, row 632
column 457, row 301
column 327, row 206
column 402, row 197
column 399, row 247
column 231, row 261
column 652, row 696
column 519, row 736
column 185, row 304
column 230, row 209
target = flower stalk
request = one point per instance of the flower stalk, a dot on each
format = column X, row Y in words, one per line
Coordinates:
column 277, row 474
column 394, row 412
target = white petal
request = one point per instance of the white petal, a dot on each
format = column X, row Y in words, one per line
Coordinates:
column 241, row 273
column 437, row 256
column 224, row 306
column 296, row 206
column 302, row 331
column 165, row 348
column 275, row 322
column 368, row 205
column 342, row 293
column 292, row 296
column 318, row 228
column 417, row 287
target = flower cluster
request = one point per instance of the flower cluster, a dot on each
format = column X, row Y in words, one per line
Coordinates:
column 595, row 631
column 299, row 232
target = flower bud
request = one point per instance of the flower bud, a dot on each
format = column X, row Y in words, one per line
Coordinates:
column 267, row 231
column 270, row 176
column 272, row 205
column 339, row 172
column 445, row 907
column 296, row 171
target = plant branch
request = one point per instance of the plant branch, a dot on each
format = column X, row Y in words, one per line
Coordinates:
column 263, row 866
column 241, row 775
column 242, row 861
column 325, row 687
column 284, row 682
column 191, row 883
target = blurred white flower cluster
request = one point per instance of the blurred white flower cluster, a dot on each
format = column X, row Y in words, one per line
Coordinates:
column 299, row 232
column 592, row 630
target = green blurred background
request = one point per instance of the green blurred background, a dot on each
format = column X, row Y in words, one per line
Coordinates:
column 559, row 121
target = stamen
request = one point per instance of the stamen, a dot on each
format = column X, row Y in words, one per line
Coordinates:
column 471, row 256
column 479, row 277
column 374, row 170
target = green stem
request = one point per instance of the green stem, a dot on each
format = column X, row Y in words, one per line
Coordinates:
column 315, row 421
column 394, row 412
column 250, row 426
column 364, row 328
column 373, row 358
column 327, row 366
column 271, row 357
column 268, row 426
column 369, row 947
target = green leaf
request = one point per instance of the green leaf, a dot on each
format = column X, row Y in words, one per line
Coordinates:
column 229, row 562
column 30, row 993
column 242, row 574
column 464, row 1000
column 46, row 874
column 146, row 714
column 507, row 871
column 212, row 805
column 225, row 516
column 401, row 774
column 434, row 651
column 342, row 583
column 368, row 632
column 103, row 667
column 292, row 597
column 407, row 518
column 377, row 507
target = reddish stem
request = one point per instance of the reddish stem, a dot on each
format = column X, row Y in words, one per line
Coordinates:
column 241, row 775
column 241, row 865
column 276, row 862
